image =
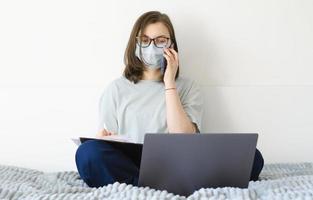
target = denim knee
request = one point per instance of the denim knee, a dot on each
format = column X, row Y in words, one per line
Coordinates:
column 91, row 150
column 88, row 158
column 258, row 164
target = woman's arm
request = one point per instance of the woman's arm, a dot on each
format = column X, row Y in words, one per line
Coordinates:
column 177, row 119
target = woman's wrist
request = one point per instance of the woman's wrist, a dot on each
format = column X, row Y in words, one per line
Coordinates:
column 170, row 84
column 171, row 88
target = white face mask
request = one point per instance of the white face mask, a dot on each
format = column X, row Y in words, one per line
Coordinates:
column 151, row 55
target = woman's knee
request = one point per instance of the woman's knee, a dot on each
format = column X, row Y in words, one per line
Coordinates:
column 258, row 164
column 90, row 162
column 91, row 150
column 259, row 159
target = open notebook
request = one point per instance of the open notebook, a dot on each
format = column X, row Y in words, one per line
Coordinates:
column 109, row 138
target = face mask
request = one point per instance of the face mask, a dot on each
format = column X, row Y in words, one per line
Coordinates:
column 151, row 55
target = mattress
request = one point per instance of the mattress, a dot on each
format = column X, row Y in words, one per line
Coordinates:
column 277, row 181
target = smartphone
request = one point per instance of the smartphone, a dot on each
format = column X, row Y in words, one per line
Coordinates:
column 164, row 63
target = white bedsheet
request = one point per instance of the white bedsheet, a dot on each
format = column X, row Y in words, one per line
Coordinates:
column 278, row 181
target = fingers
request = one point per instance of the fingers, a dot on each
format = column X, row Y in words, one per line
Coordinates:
column 101, row 132
column 104, row 132
column 167, row 58
column 173, row 55
column 169, row 53
column 111, row 133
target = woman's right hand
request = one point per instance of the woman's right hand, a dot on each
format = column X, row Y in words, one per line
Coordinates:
column 104, row 132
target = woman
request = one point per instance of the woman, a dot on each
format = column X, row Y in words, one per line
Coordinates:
column 146, row 98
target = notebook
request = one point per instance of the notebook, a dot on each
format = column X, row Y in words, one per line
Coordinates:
column 109, row 138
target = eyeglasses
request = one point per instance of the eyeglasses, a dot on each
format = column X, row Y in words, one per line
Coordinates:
column 159, row 42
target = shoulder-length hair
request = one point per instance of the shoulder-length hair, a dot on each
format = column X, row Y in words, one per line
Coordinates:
column 134, row 67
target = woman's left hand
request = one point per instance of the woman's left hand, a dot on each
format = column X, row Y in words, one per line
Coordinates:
column 172, row 65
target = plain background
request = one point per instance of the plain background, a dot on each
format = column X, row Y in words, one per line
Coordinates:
column 253, row 60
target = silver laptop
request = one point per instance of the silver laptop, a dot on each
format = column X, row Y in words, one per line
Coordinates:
column 184, row 163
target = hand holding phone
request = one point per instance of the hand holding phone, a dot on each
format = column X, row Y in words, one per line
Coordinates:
column 164, row 62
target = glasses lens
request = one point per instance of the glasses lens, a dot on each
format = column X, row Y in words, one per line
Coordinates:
column 162, row 42
column 143, row 41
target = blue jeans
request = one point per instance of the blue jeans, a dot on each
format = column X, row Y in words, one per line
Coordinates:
column 100, row 163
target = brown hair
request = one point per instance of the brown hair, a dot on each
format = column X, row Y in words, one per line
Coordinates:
column 134, row 67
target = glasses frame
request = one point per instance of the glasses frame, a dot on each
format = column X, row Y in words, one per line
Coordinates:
column 153, row 39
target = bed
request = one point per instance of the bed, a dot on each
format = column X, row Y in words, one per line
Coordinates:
column 277, row 181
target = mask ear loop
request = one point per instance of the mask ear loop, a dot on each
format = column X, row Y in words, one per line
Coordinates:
column 141, row 57
column 140, row 52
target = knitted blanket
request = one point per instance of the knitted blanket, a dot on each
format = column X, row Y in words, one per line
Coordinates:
column 278, row 181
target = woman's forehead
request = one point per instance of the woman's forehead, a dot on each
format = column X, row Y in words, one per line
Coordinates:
column 156, row 29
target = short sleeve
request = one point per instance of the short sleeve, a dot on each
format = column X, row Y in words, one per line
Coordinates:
column 193, row 105
column 107, row 109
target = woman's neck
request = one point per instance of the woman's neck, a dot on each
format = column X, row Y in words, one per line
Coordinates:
column 152, row 74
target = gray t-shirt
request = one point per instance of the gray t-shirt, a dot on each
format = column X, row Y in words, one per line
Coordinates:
column 132, row 110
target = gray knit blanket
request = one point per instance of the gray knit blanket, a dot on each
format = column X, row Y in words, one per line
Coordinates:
column 278, row 181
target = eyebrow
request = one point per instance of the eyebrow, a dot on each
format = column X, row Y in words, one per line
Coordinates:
column 157, row 36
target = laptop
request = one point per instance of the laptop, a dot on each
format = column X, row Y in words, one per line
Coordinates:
column 184, row 163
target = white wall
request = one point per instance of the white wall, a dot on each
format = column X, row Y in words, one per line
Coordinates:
column 253, row 60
